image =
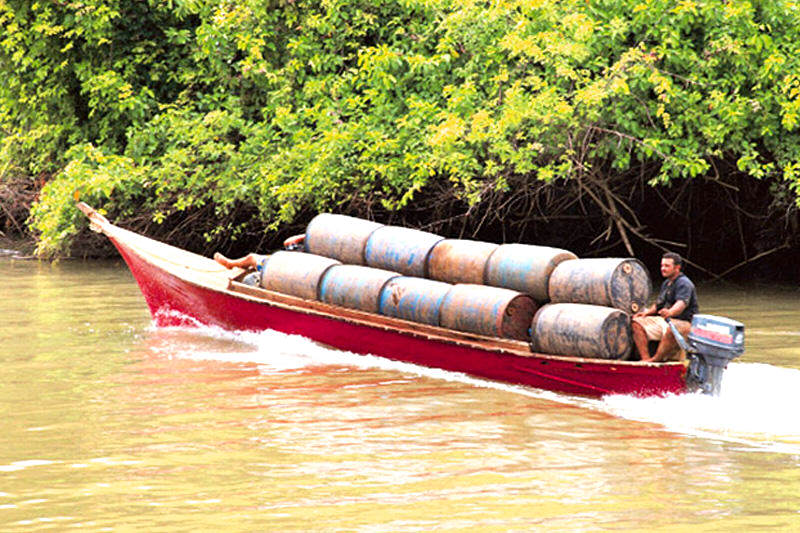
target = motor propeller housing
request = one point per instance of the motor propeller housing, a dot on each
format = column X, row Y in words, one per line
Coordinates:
column 713, row 342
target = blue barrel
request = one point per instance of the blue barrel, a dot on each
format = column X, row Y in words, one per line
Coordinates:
column 581, row 330
column 610, row 282
column 524, row 268
column 460, row 260
column 403, row 250
column 295, row 273
column 354, row 286
column 339, row 236
column 414, row 299
column 488, row 311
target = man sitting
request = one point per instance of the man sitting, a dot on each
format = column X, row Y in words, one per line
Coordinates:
column 677, row 301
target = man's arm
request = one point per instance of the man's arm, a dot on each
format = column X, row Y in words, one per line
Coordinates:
column 647, row 311
column 676, row 309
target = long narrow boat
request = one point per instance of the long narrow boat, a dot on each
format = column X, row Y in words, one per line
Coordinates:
column 182, row 288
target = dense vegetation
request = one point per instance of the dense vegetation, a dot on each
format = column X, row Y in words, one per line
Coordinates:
column 623, row 126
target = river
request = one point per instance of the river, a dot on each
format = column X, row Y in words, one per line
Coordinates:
column 111, row 424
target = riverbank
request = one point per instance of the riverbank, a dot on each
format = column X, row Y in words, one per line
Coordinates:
column 714, row 255
column 17, row 248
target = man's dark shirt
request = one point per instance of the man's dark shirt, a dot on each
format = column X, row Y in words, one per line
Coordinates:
column 680, row 289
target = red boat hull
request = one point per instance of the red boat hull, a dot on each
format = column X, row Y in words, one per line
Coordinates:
column 171, row 299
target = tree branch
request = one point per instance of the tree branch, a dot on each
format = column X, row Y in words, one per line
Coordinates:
column 754, row 258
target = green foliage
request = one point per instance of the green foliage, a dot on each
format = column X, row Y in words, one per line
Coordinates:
column 163, row 107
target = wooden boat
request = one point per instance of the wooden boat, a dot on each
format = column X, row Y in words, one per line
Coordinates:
column 184, row 289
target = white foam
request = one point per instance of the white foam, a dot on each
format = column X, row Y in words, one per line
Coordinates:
column 22, row 465
column 754, row 407
column 274, row 351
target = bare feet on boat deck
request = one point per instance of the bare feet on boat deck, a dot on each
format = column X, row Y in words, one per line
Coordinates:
column 250, row 261
column 222, row 260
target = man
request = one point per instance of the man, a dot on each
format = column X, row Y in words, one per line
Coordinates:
column 256, row 261
column 677, row 301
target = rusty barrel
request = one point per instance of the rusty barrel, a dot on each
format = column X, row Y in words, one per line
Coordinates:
column 354, row 286
column 339, row 236
column 581, row 330
column 487, row 310
column 610, row 282
column 415, row 299
column 295, row 273
column 403, row 250
column 460, row 260
column 525, row 268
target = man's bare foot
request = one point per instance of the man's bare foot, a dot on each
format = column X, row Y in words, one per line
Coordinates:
column 222, row 260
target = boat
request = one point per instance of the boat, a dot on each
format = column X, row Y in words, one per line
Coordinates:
column 182, row 288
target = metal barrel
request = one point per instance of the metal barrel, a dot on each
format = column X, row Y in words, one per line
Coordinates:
column 525, row 268
column 354, row 286
column 339, row 236
column 581, row 330
column 403, row 250
column 488, row 311
column 610, row 282
column 460, row 260
column 295, row 273
column 415, row 299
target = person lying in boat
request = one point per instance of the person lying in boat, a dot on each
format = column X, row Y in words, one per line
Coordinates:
column 256, row 261
column 677, row 301
column 249, row 262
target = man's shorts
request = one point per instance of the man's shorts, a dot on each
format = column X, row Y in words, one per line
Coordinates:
column 655, row 327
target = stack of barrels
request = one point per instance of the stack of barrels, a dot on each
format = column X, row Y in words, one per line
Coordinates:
column 547, row 296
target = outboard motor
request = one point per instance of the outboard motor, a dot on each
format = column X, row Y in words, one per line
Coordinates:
column 714, row 341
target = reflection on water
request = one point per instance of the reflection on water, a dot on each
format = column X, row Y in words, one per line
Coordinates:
column 111, row 423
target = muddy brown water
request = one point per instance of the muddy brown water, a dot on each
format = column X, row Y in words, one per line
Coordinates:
column 111, row 424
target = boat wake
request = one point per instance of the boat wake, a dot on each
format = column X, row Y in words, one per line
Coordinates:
column 754, row 409
column 750, row 410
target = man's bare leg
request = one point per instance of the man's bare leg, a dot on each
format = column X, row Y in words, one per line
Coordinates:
column 248, row 261
column 640, row 340
column 683, row 328
column 666, row 348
